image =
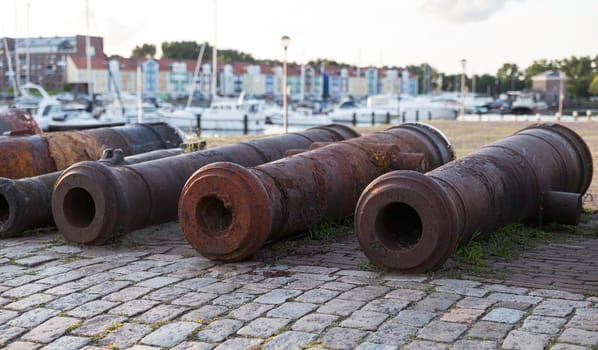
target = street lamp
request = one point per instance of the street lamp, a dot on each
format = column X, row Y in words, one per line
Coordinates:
column 463, row 62
column 285, row 41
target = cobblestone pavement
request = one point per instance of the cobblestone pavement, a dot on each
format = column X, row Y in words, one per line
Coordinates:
column 151, row 290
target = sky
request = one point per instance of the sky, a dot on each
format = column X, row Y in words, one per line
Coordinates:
column 487, row 33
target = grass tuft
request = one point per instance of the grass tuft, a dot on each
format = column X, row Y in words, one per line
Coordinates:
column 331, row 230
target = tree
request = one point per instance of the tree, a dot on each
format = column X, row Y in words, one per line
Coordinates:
column 228, row 55
column 593, row 88
column 182, row 50
column 538, row 67
column 485, row 84
column 144, row 51
column 510, row 77
column 579, row 73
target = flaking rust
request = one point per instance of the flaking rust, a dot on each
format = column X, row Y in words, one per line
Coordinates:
column 27, row 203
column 228, row 211
column 29, row 156
column 92, row 201
column 17, row 122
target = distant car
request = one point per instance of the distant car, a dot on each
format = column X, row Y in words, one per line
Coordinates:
column 594, row 98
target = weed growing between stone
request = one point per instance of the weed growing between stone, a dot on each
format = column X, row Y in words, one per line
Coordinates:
column 331, row 230
column 507, row 243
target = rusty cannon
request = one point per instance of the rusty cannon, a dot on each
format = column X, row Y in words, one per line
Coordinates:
column 413, row 222
column 16, row 122
column 92, row 201
column 227, row 212
column 29, row 156
column 27, row 203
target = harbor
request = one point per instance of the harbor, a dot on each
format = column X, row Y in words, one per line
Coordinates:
column 277, row 175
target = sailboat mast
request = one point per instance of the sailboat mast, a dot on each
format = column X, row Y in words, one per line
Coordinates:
column 87, row 53
column 214, row 52
column 27, row 53
column 10, row 73
column 195, row 74
column 17, row 64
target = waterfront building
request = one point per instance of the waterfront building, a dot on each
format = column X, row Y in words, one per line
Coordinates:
column 58, row 63
column 549, row 84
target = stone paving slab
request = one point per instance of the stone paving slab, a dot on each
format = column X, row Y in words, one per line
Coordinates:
column 156, row 293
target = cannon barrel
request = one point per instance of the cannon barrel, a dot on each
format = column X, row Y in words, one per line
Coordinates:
column 35, row 155
column 27, row 203
column 227, row 211
column 413, row 222
column 14, row 122
column 92, row 201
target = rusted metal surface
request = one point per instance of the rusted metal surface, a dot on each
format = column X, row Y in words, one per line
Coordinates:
column 27, row 203
column 17, row 122
column 413, row 222
column 227, row 211
column 35, row 155
column 92, row 201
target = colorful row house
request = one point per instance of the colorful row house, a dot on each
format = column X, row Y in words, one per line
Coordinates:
column 65, row 64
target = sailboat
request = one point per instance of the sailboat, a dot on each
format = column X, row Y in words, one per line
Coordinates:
column 228, row 115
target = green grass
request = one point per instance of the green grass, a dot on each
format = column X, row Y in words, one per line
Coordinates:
column 368, row 266
column 508, row 243
column 331, row 230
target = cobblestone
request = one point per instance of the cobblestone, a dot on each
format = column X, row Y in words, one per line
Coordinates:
column 489, row 330
column 32, row 318
column 442, row 331
column 314, row 322
column 133, row 307
column 98, row 325
column 340, row 307
column 219, row 330
column 67, row 343
column 126, row 335
column 277, row 296
column 425, row 345
column 504, row 315
column 51, row 329
column 525, row 341
column 393, row 334
column 160, row 294
column 543, row 325
column 127, row 294
column 170, row 335
column 342, row 338
column 291, row 310
column 414, row 318
column 92, row 308
column 263, row 327
column 579, row 336
column 290, row 340
column 364, row 320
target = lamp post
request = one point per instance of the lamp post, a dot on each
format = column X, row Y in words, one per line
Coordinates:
column 561, row 95
column 463, row 62
column 285, row 41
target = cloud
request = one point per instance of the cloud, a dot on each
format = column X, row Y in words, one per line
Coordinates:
column 464, row 10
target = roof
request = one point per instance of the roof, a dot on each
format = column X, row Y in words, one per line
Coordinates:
column 239, row 68
column 550, row 75
column 80, row 62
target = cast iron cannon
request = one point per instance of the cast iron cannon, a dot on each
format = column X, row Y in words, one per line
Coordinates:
column 227, row 211
column 413, row 222
column 92, row 201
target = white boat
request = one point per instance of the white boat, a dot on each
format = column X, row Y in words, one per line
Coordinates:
column 351, row 113
column 298, row 118
column 51, row 115
column 228, row 115
column 529, row 103
column 127, row 106
column 427, row 108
